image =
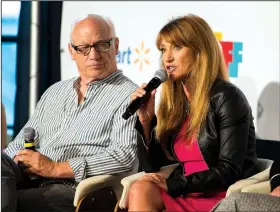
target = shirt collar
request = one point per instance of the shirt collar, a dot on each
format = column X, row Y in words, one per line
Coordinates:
column 109, row 78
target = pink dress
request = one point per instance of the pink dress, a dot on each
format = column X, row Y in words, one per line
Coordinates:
column 193, row 161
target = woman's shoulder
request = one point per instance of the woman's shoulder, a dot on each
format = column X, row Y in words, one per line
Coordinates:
column 224, row 91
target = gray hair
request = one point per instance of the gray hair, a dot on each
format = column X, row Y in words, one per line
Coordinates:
column 108, row 21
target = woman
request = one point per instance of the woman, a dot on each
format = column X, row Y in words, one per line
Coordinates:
column 203, row 122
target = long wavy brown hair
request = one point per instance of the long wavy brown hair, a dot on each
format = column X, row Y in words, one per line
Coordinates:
column 193, row 32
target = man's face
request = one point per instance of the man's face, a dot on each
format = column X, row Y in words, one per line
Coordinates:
column 99, row 61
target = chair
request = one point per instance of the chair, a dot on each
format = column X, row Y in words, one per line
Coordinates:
column 261, row 187
column 91, row 192
column 128, row 181
column 258, row 183
column 264, row 164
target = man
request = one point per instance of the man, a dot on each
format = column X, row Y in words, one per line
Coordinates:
column 255, row 201
column 79, row 127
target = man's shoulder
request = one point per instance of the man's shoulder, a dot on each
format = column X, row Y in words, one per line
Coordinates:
column 119, row 88
column 61, row 85
column 123, row 82
column 58, row 89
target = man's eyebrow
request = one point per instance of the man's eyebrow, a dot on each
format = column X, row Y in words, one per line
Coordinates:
column 103, row 40
column 83, row 44
column 87, row 44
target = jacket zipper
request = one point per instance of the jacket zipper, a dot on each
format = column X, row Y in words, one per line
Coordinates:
column 201, row 152
column 171, row 145
column 143, row 140
column 172, row 142
column 172, row 148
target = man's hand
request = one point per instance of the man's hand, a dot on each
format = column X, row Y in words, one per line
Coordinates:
column 37, row 163
column 157, row 179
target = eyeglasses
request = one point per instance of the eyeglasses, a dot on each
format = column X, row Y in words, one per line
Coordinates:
column 100, row 46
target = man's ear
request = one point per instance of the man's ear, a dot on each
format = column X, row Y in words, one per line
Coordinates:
column 116, row 42
column 70, row 49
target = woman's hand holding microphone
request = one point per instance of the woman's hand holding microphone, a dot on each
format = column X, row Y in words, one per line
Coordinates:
column 147, row 110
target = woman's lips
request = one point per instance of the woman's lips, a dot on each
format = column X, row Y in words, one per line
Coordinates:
column 170, row 68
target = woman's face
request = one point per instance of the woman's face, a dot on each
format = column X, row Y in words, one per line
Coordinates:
column 177, row 60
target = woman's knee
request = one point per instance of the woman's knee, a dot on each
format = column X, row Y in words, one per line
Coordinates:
column 147, row 194
column 142, row 188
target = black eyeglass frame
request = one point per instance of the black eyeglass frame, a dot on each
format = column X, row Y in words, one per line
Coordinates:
column 94, row 46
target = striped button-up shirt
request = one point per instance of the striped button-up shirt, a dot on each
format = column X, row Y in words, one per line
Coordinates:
column 93, row 137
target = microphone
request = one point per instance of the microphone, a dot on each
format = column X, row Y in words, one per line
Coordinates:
column 29, row 135
column 29, row 143
column 160, row 77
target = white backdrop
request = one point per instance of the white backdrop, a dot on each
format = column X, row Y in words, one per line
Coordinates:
column 254, row 25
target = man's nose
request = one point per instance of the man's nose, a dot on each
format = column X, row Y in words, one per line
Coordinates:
column 93, row 54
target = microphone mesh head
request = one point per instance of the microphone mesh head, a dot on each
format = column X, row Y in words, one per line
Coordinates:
column 28, row 133
column 162, row 75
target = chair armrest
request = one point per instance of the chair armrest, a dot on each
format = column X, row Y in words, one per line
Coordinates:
column 262, row 176
column 263, row 188
column 128, row 181
column 257, row 178
column 91, row 184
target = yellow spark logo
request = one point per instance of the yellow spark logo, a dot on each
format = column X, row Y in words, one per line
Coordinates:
column 142, row 53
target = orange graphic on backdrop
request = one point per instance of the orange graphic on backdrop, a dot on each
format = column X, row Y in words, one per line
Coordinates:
column 142, row 53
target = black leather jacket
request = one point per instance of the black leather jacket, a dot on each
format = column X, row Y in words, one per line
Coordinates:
column 227, row 142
